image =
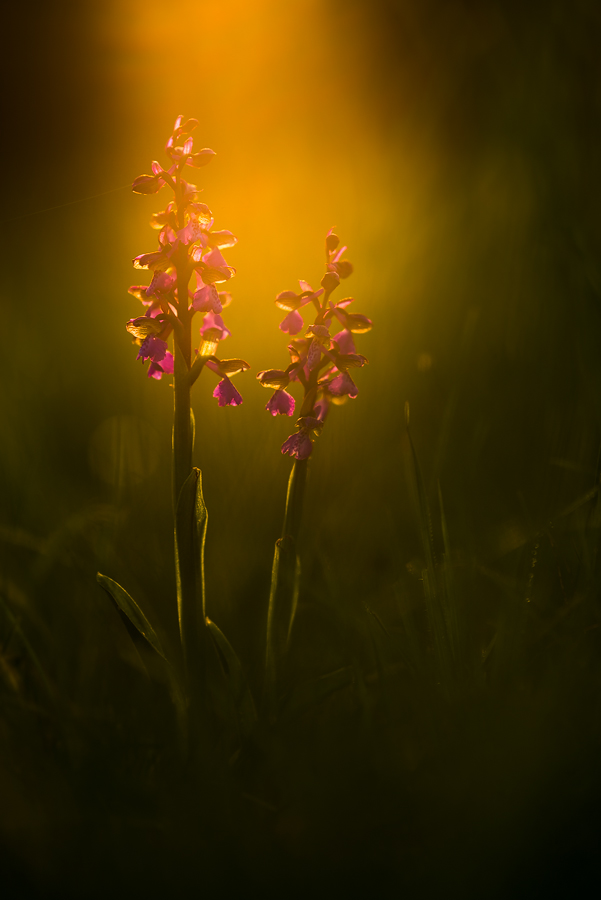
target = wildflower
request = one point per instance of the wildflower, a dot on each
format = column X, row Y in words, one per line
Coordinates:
column 319, row 362
column 225, row 392
column 280, row 403
column 188, row 246
column 288, row 300
column 300, row 445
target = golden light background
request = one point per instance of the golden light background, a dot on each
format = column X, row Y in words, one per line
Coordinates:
column 436, row 137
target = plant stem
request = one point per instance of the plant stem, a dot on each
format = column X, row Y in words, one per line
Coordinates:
column 285, row 578
column 188, row 552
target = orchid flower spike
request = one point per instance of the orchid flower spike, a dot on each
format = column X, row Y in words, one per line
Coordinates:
column 319, row 362
column 189, row 247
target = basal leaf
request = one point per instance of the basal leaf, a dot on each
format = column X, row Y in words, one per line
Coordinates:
column 236, row 679
column 133, row 612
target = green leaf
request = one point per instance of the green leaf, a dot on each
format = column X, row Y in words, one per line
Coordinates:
column 133, row 612
column 236, row 679
column 316, row 690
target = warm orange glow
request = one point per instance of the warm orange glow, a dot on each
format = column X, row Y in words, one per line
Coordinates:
column 280, row 91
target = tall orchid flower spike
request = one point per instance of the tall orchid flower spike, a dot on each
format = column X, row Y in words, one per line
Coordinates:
column 188, row 247
column 320, row 364
column 186, row 270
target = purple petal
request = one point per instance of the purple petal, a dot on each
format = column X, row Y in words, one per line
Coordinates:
column 152, row 348
column 345, row 342
column 167, row 363
column 213, row 320
column 321, row 409
column 214, row 259
column 281, row 403
column 207, row 299
column 343, row 384
column 292, row 323
column 298, row 445
column 191, row 233
column 161, row 283
column 155, row 371
column 226, row 393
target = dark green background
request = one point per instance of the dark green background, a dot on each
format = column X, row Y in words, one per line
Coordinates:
column 456, row 147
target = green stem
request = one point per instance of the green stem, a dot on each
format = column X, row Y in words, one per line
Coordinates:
column 285, row 578
column 188, row 550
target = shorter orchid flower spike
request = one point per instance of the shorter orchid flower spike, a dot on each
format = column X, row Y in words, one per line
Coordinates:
column 319, row 363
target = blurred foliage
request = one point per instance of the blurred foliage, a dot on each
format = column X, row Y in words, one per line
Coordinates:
column 455, row 146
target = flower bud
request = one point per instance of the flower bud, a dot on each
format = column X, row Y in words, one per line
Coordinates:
column 344, row 268
column 147, row 184
column 332, row 241
column 200, row 159
column 330, row 281
column 182, row 128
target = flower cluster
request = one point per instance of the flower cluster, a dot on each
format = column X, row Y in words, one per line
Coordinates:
column 319, row 362
column 189, row 250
